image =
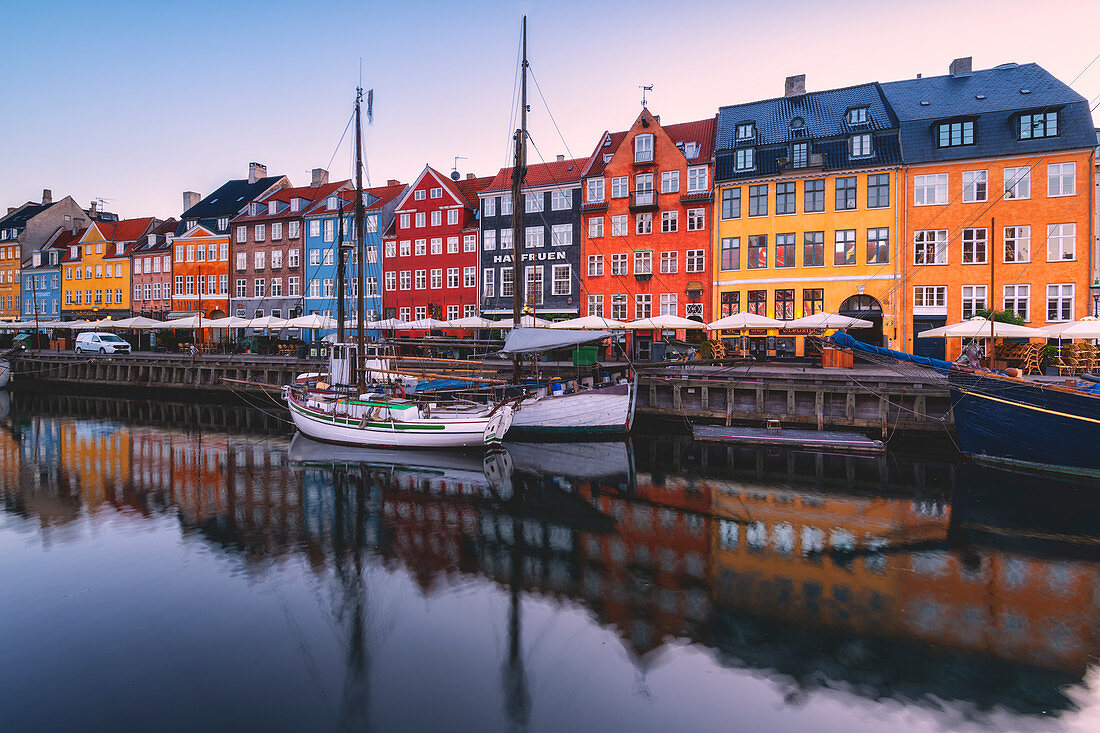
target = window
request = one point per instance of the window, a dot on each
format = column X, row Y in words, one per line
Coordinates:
column 595, row 265
column 561, row 235
column 421, row 280
column 489, row 240
column 258, row 260
column 930, row 190
column 1018, row 183
column 420, row 219
column 643, row 262
column 595, row 190
column 731, row 203
column 784, row 304
column 437, row 218
column 421, row 312
column 561, row 200
column 506, row 239
column 1017, row 300
column 785, row 198
column 930, row 247
column 507, row 280
column 813, row 198
column 845, row 193
column 292, row 258
column 746, row 131
column 391, row 280
column 595, row 227
column 844, row 249
column 731, row 254
column 784, row 250
column 405, row 313
column 696, row 220
column 954, row 134
column 973, row 300
column 437, row 245
column 276, row 287
column 643, row 306
column 975, row 186
column 758, row 252
column 669, row 262
column 974, row 243
column 452, row 218
column 730, row 304
column 744, row 159
column 506, row 205
column 242, row 287
column 452, row 277
column 800, row 155
column 1017, row 242
column 643, row 223
column 813, row 301
column 190, row 253
column 758, row 200
column 489, row 207
column 1061, row 179
column 618, row 263
column 488, row 286
column 469, row 243
column 859, row 146
column 406, row 248
column 328, row 257
column 857, row 116
column 534, row 285
column 670, row 181
column 469, row 277
column 618, row 307
column 697, row 178
column 315, row 288
column 669, row 304
column 406, row 279
column 242, row 234
column 437, row 193
column 404, row 220
column 620, row 187
column 1038, row 124
column 419, row 195
column 562, row 278
column 276, row 231
column 421, row 247
column 669, row 221
column 533, row 236
column 533, row 202
column 878, row 191
column 643, row 148
column 595, row 305
column 758, row 302
column 878, row 246
column 1061, row 242
column 930, row 299
column 293, row 229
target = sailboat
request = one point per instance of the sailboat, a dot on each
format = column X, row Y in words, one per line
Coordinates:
column 338, row 408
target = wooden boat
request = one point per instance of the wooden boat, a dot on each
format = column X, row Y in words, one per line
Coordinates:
column 608, row 409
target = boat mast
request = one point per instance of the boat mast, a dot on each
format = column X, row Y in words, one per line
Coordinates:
column 359, row 229
column 341, row 269
column 519, row 172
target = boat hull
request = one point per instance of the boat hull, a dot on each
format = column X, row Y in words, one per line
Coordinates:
column 1014, row 422
column 604, row 410
column 5, row 373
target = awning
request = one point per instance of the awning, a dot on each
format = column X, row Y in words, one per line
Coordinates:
column 534, row 340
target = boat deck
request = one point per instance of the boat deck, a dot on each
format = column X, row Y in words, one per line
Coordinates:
column 826, row 440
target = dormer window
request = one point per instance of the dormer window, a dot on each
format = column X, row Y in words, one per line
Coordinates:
column 800, row 155
column 607, row 157
column 744, row 159
column 858, row 116
column 169, row 237
column 119, row 248
column 151, row 239
column 223, row 223
column 252, row 209
column 74, row 251
column 37, row 259
column 295, row 203
column 53, row 258
column 691, row 150
column 273, row 207
column 746, row 131
column 1038, row 124
column 643, row 148
column 859, row 146
column 332, row 203
column 955, row 134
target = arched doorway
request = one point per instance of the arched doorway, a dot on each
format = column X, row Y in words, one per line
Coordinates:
column 869, row 309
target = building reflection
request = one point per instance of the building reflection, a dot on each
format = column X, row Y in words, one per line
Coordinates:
column 887, row 577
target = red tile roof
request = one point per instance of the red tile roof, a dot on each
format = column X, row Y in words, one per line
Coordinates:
column 471, row 187
column 596, row 162
column 310, row 194
column 699, row 131
column 542, row 174
column 385, row 195
column 126, row 230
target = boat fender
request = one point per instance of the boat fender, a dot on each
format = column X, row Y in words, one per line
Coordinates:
column 1012, row 372
column 426, row 410
column 285, row 392
column 398, row 391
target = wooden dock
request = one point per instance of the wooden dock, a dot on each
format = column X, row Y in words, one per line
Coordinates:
column 818, row 440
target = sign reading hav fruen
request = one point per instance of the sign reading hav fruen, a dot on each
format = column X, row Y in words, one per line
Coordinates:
column 530, row 257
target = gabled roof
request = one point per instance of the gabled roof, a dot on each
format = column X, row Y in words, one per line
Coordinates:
column 823, row 115
column 556, row 173
column 471, row 187
column 126, row 230
column 700, row 131
column 18, row 219
column 376, row 198
column 445, row 181
column 60, row 240
column 311, row 195
column 230, row 198
column 160, row 241
column 608, row 144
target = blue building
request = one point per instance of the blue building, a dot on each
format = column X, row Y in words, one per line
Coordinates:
column 42, row 276
column 322, row 233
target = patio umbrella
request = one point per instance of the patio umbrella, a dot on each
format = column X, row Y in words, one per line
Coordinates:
column 657, row 323
column 423, row 324
column 981, row 328
column 313, row 321
column 265, row 322
column 137, row 322
column 227, row 322
column 590, row 322
column 472, row 322
column 741, row 321
column 388, row 324
column 1086, row 328
column 828, row 320
column 524, row 322
column 188, row 322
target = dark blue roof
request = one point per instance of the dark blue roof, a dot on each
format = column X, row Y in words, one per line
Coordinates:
column 18, row 219
column 993, row 97
column 823, row 113
column 227, row 201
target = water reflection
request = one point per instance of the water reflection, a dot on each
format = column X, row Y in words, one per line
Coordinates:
column 923, row 583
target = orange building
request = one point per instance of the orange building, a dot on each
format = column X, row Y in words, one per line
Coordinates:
column 96, row 280
column 200, row 273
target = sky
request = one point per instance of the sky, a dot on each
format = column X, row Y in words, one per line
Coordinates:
column 136, row 102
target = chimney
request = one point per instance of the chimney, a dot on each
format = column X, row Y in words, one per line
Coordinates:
column 190, row 198
column 93, row 208
column 393, row 182
column 256, row 171
column 320, row 177
column 47, row 196
column 961, row 67
column 794, row 86
column 561, row 158
column 471, row 176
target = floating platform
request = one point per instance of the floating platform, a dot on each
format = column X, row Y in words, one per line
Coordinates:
column 821, row 440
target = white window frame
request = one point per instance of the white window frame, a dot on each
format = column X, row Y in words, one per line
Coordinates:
column 930, row 189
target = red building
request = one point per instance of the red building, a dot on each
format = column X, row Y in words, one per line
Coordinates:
column 431, row 249
column 151, row 272
column 646, row 231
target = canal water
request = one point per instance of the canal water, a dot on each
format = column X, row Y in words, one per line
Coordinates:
column 178, row 566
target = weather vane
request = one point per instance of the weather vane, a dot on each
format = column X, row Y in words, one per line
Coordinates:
column 645, row 88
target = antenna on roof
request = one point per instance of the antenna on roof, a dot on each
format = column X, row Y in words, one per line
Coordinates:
column 455, row 175
column 645, row 88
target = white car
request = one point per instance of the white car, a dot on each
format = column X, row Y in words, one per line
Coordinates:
column 101, row 342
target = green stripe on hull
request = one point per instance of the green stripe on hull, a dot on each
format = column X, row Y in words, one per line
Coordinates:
column 356, row 424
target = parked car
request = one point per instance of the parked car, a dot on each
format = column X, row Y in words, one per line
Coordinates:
column 101, row 342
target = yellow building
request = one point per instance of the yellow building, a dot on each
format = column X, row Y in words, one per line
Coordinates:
column 95, row 277
column 806, row 211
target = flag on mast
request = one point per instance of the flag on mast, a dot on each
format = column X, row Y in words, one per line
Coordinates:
column 370, row 106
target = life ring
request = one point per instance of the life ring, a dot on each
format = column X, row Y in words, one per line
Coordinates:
column 398, row 391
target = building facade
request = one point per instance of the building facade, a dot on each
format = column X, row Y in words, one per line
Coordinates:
column 431, row 249
column 996, row 198
column 42, row 277
column 151, row 272
column 96, row 271
column 551, row 248
column 806, row 211
column 648, row 194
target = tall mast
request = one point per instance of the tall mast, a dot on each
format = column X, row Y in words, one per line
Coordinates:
column 341, row 269
column 359, row 229
column 519, row 172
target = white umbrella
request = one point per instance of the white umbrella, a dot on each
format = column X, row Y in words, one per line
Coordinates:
column 828, row 320
column 980, row 328
column 472, row 322
column 188, row 322
column 15, row 325
column 265, row 322
column 227, row 322
column 664, row 322
column 313, row 321
column 423, row 324
column 741, row 321
column 525, row 322
column 1086, row 328
column 591, row 322
column 137, row 322
column 388, row 324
